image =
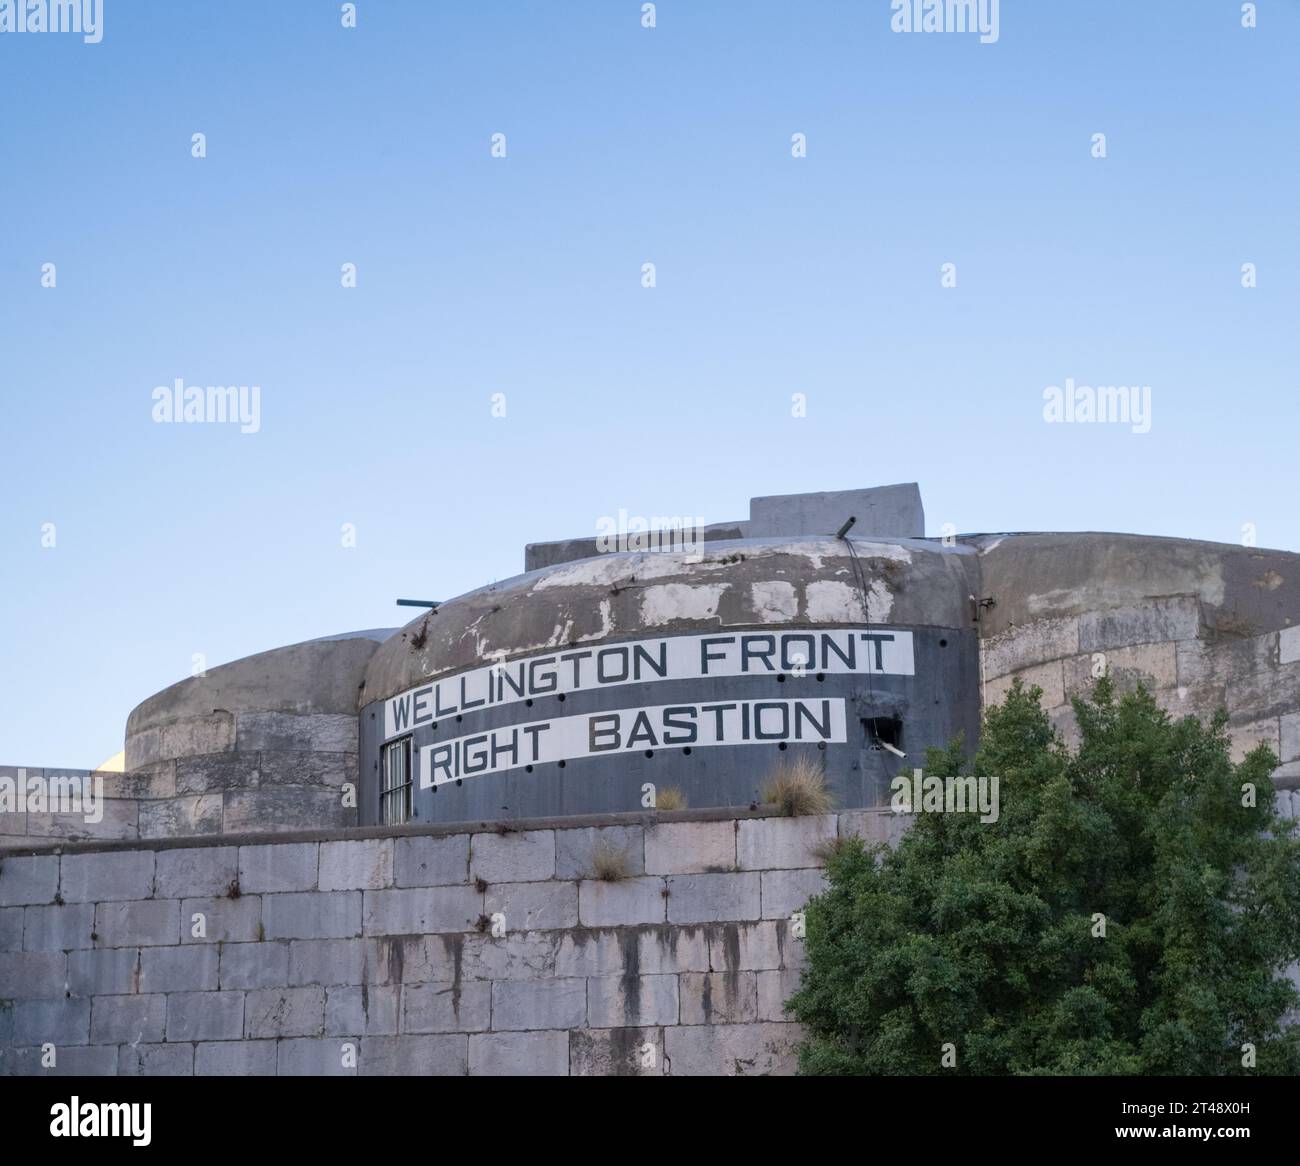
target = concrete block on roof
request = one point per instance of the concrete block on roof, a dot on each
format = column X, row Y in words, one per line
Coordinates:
column 891, row 511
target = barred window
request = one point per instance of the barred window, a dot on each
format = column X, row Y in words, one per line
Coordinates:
column 395, row 797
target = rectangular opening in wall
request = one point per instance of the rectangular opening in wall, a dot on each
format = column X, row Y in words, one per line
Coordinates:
column 882, row 733
column 395, row 796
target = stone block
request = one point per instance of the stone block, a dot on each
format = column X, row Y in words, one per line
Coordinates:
column 575, row 849
column 774, row 989
column 719, row 997
column 99, row 878
column 652, row 950
column 179, row 969
column 733, row 1050
column 626, row 903
column 1290, row 738
column 182, row 817
column 751, row 946
column 1031, row 644
column 280, row 1012
column 517, row 955
column 783, row 843
column 1152, row 622
column 1048, row 677
column 465, row 1007
column 154, row 1060
column 128, row 1019
column 1246, row 738
column 365, row 1010
column 30, row 879
column 445, row 1055
column 875, row 826
column 255, row 965
column 305, row 732
column 630, row 1001
column 432, row 862
column 364, row 865
column 788, row 891
column 106, row 972
column 32, row 974
column 616, row 1052
column 311, row 1057
column 690, row 847
column 241, row 1058
column 528, row 1004
column 216, row 772
column 278, row 867
column 11, row 928
column 1153, row 665
column 52, row 1021
column 533, row 906
column 194, row 1016
column 148, row 923
column 321, row 774
column 889, row 511
column 326, row 961
column 59, row 928
column 283, row 808
column 313, row 915
column 709, row 897
column 421, row 910
column 225, row 920
column 519, row 1054
column 151, row 782
column 1288, row 645
column 196, row 871
column 515, row 857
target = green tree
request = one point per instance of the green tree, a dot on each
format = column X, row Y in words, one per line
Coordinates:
column 985, row 936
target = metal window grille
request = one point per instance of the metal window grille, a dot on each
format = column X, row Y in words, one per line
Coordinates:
column 395, row 797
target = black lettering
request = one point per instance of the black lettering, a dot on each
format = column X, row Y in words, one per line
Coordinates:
column 602, row 656
column 612, row 719
column 830, row 644
column 766, row 646
column 706, row 655
column 877, row 638
column 766, row 706
column 642, row 733
column 575, row 657
column 788, row 663
column 401, row 710
column 421, row 704
column 659, row 668
column 802, row 712
column 688, row 726
column 440, row 758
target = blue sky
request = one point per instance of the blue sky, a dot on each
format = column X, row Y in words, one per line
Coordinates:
column 522, row 275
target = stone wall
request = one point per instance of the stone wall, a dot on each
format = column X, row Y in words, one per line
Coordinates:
column 1203, row 626
column 437, row 951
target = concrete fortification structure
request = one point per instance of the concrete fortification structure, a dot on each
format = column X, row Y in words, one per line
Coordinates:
column 349, row 816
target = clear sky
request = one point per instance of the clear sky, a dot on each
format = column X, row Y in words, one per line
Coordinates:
column 480, row 275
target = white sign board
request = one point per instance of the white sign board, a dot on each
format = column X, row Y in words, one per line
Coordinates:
column 793, row 651
column 744, row 722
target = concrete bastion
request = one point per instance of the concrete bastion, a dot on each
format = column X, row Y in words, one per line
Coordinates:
column 330, row 939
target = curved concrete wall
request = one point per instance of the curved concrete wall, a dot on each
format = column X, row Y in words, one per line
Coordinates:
column 1204, row 625
column 752, row 588
column 262, row 743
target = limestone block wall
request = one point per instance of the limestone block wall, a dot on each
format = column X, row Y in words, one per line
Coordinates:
column 1204, row 626
column 442, row 951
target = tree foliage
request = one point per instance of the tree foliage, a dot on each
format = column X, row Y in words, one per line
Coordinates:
column 985, row 936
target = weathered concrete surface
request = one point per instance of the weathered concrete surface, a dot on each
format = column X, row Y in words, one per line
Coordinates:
column 887, row 511
column 552, row 554
column 614, row 596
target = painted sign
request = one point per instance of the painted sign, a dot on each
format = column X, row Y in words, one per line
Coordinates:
column 836, row 651
column 596, row 734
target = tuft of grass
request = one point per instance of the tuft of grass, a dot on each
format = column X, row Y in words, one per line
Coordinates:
column 609, row 863
column 670, row 798
column 797, row 788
